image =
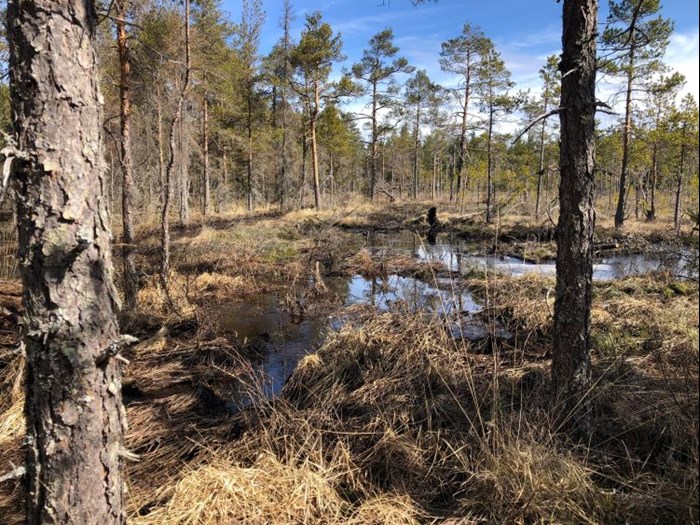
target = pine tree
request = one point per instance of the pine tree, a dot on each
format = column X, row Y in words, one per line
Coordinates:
column 634, row 40
column 377, row 69
column 461, row 56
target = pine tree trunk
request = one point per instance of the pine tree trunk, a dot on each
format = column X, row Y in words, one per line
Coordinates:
column 249, row 163
column 571, row 365
column 314, row 149
column 170, row 168
column 489, row 168
column 416, row 144
column 205, row 155
column 463, row 137
column 73, row 409
column 184, row 163
column 373, row 146
column 679, row 184
column 626, row 132
column 129, row 269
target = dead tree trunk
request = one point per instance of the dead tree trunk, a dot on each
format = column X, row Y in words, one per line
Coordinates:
column 571, row 365
column 129, row 270
column 74, row 410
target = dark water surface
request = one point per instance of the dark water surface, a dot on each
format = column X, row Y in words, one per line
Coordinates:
column 286, row 339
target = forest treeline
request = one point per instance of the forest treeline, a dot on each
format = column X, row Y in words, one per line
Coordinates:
column 264, row 130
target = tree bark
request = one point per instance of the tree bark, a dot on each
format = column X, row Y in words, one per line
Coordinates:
column 626, row 132
column 489, row 166
column 373, row 146
column 167, row 193
column 73, row 408
column 314, row 148
column 463, row 135
column 571, row 365
column 249, row 128
column 679, row 183
column 416, row 145
column 128, row 189
column 205, row 155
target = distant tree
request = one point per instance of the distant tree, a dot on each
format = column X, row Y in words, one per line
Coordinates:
column 461, row 56
column 377, row 69
column 571, row 362
column 248, row 36
column 185, row 85
column 279, row 73
column 635, row 40
column 420, row 94
column 128, row 187
column 661, row 95
column 495, row 100
column 313, row 59
column 549, row 96
column 74, row 412
column 686, row 131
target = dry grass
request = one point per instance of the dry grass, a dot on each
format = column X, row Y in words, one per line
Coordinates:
column 392, row 421
column 364, row 264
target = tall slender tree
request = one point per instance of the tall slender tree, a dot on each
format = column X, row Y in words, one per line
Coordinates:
column 495, row 100
column 420, row 93
column 549, row 96
column 185, row 85
column 252, row 20
column 461, row 56
column 686, row 128
column 635, row 40
column 377, row 69
column 313, row 59
column 128, row 188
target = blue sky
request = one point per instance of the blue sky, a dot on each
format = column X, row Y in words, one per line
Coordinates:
column 524, row 31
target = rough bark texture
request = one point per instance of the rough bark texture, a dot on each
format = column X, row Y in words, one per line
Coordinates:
column 129, row 267
column 315, row 109
column 73, row 396
column 571, row 368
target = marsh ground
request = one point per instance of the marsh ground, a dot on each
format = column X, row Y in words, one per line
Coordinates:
column 388, row 416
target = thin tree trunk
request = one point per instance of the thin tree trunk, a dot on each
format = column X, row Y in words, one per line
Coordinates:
column 74, row 413
column 373, row 145
column 416, row 144
column 184, row 165
column 161, row 154
column 626, row 132
column 489, row 169
column 129, row 268
column 314, row 149
column 651, row 214
column 304, row 157
column 463, row 134
column 249, row 164
column 540, row 170
column 165, row 224
column 205, row 154
column 679, row 184
column 571, row 364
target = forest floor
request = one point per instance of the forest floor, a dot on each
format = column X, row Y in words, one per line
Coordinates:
column 391, row 417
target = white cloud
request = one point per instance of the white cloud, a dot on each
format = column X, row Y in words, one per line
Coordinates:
column 682, row 56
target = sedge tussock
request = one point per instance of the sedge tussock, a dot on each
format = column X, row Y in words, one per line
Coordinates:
column 266, row 493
